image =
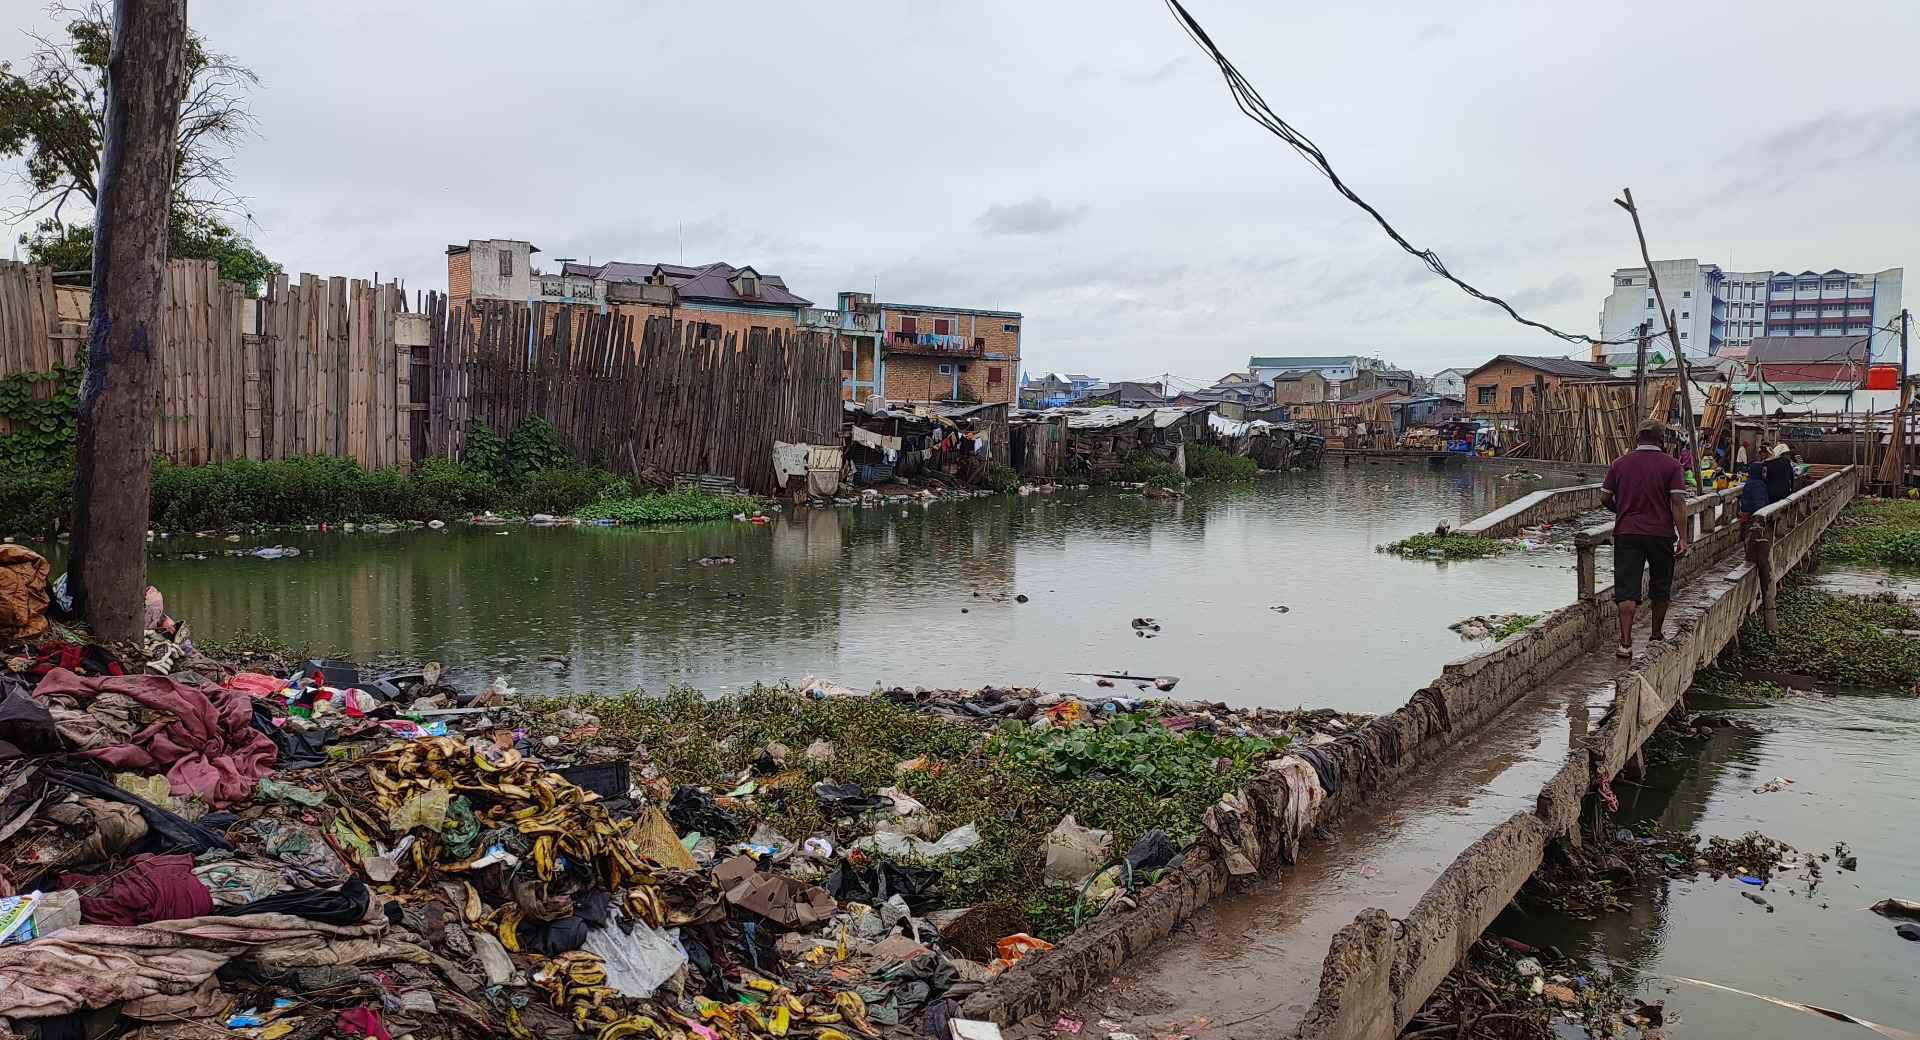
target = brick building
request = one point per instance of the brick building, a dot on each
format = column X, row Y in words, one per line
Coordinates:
column 722, row 297
column 1506, row 383
column 1304, row 387
column 928, row 354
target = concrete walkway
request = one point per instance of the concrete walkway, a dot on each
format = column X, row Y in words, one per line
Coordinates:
column 1250, row 964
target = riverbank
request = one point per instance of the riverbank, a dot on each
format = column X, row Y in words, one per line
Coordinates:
column 1782, row 791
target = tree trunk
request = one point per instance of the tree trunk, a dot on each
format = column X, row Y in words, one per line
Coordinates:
column 146, row 71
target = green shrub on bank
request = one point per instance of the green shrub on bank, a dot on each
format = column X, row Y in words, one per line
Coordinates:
column 1833, row 638
column 1876, row 532
column 1146, row 468
column 1210, row 463
column 685, row 505
column 1451, row 546
column 1002, row 478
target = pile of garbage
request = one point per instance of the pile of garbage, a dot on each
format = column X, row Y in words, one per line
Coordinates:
column 987, row 706
column 196, row 848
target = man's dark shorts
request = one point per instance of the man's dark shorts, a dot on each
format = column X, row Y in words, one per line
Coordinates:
column 1635, row 552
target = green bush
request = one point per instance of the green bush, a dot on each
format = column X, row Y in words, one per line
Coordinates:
column 1211, row 463
column 1452, row 546
column 1146, row 468
column 685, row 505
column 1002, row 478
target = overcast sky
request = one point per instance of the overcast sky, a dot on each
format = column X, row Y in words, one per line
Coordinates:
column 1082, row 164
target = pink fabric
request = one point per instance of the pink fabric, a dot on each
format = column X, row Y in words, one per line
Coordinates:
column 209, row 748
column 256, row 684
column 362, row 1021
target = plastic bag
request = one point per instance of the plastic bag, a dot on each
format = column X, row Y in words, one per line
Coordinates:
column 1016, row 946
column 427, row 809
column 637, row 962
column 1074, row 852
column 955, row 841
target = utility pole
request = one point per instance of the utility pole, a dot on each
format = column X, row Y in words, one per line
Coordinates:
column 1673, row 329
column 1906, row 396
column 146, row 78
column 1640, row 373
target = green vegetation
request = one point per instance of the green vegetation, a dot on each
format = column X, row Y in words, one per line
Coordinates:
column 190, row 236
column 1833, row 638
column 1513, row 623
column 1001, row 478
column 1146, row 468
column 1211, row 463
column 1452, row 546
column 1885, row 532
column 526, row 472
column 1013, row 787
column 685, row 505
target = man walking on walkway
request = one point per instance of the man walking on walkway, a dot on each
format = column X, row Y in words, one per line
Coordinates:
column 1646, row 489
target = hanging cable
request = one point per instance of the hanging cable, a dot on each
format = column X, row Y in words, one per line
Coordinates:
column 1255, row 107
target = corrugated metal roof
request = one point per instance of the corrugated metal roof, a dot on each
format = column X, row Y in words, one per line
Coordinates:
column 1106, row 417
column 1555, row 366
column 1765, row 350
column 1821, row 386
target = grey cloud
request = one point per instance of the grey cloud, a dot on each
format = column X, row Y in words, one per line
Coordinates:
column 1432, row 31
column 1834, row 141
column 1036, row 216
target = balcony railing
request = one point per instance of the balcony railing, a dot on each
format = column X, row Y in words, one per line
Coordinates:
column 933, row 343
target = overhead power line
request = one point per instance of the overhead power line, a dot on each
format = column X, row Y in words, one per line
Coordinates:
column 1255, row 107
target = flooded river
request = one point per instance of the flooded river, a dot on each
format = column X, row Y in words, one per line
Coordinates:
column 888, row 594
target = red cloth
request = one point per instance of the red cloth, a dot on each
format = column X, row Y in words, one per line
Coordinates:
column 209, row 746
column 145, row 889
column 1642, row 482
column 362, row 1021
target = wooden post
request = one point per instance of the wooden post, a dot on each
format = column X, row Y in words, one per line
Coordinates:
column 1760, row 554
column 1673, row 330
column 1640, row 372
column 1583, row 570
column 146, row 73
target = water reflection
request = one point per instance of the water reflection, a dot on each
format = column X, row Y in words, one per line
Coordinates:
column 889, row 594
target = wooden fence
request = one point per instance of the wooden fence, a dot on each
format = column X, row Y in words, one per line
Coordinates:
column 641, row 398
column 341, row 367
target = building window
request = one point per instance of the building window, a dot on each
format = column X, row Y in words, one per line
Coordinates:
column 1649, row 303
column 1486, row 394
column 1009, row 327
column 993, row 375
column 909, row 324
column 1683, row 335
column 846, row 360
column 942, row 327
column 506, row 263
column 1685, row 314
column 1686, row 294
column 945, row 370
column 749, row 285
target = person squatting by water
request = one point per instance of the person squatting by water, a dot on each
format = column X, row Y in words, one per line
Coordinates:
column 1646, row 489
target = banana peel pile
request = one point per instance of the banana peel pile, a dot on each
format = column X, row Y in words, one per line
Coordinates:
column 506, row 840
column 559, row 822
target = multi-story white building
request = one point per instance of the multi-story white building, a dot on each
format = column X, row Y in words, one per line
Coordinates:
column 1692, row 291
column 1717, row 309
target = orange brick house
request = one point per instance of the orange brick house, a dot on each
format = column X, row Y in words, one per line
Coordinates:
column 1505, row 385
column 929, row 354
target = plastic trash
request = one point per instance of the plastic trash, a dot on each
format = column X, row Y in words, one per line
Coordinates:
column 1153, row 851
column 906, row 846
column 846, row 800
column 1749, row 879
column 637, row 962
column 1075, row 853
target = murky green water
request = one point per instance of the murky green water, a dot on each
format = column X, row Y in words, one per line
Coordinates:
column 887, row 594
column 1856, row 780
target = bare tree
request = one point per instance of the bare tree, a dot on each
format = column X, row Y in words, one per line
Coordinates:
column 53, row 116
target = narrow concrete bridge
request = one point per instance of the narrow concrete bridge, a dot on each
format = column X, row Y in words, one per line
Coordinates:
column 1441, row 811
